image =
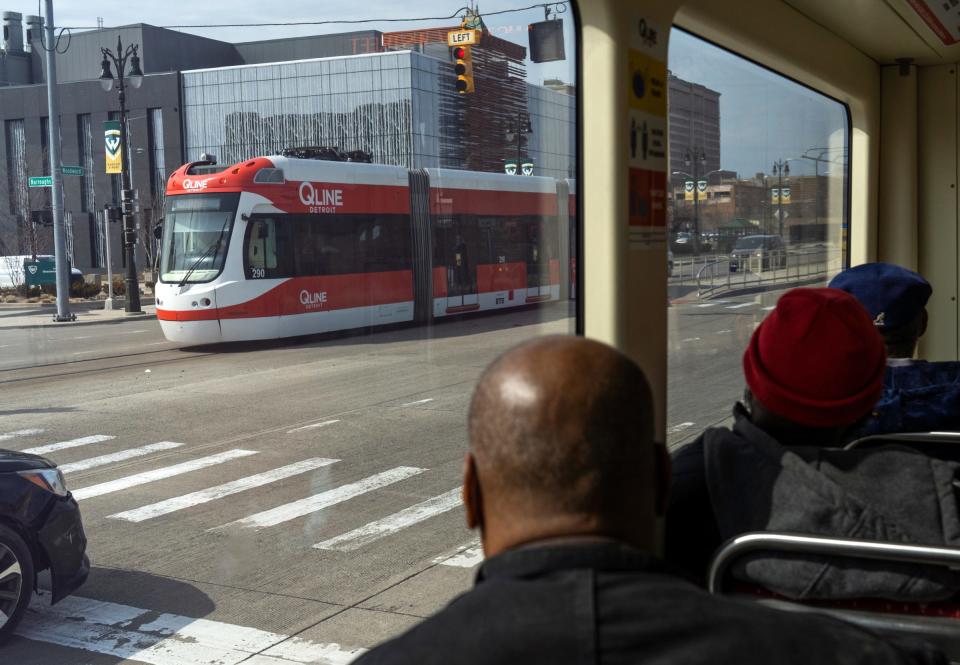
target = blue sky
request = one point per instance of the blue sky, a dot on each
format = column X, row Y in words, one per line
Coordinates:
column 513, row 26
column 763, row 116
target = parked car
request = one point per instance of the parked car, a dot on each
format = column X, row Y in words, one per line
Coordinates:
column 40, row 528
column 683, row 242
column 766, row 252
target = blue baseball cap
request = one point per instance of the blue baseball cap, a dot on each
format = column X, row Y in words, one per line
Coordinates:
column 894, row 296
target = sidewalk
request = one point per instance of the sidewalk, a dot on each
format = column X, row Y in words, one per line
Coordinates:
column 33, row 315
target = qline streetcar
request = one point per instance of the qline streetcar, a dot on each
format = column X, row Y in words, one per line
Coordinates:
column 281, row 246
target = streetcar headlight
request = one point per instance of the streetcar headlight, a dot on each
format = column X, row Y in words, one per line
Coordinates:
column 48, row 479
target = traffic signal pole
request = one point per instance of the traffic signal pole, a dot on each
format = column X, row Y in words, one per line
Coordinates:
column 56, row 195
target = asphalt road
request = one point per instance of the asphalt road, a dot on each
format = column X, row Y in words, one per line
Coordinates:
column 285, row 502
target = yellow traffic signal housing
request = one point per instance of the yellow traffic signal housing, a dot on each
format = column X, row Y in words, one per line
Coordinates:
column 464, row 69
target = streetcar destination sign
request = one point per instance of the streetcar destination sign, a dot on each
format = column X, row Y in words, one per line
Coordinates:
column 461, row 38
column 40, row 181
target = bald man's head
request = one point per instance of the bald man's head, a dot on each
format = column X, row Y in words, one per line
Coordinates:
column 562, row 428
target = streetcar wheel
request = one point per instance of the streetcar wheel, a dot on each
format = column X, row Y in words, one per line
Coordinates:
column 16, row 580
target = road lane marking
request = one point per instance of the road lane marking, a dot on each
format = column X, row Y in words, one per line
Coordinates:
column 467, row 556
column 690, row 339
column 676, row 429
column 724, row 332
column 148, row 636
column 741, row 305
column 220, row 491
column 323, row 424
column 298, row 650
column 312, row 504
column 110, row 458
column 159, row 474
column 708, row 304
column 20, row 432
column 72, row 443
column 419, row 401
column 771, row 307
column 391, row 524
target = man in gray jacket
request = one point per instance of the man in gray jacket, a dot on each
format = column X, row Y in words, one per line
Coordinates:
column 814, row 368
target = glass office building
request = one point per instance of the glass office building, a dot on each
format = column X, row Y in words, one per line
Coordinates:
column 399, row 106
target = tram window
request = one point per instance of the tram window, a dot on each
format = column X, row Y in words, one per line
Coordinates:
column 261, row 249
column 771, row 157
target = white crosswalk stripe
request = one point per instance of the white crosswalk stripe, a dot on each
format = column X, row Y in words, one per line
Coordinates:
column 381, row 528
column 312, row 504
column 145, row 636
column 120, row 456
column 18, row 433
column 707, row 304
column 742, row 305
column 158, row 474
column 467, row 556
column 72, row 443
column 220, row 491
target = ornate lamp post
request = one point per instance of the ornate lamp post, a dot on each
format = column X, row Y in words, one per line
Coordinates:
column 135, row 78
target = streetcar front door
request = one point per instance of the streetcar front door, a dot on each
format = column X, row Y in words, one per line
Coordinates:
column 455, row 253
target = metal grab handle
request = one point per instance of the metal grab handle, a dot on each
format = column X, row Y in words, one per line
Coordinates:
column 849, row 548
column 905, row 438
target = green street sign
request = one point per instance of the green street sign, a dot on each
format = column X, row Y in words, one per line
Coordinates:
column 40, row 272
column 71, row 170
column 40, row 181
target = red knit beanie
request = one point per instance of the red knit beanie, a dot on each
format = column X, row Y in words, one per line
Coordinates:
column 817, row 359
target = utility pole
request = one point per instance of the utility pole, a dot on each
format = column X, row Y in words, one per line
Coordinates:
column 53, row 112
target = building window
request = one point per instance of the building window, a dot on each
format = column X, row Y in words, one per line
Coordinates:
column 85, row 151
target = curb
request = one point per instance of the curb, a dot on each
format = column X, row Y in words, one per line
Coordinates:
column 146, row 316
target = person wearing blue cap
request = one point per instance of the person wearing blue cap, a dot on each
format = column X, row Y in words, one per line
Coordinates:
column 918, row 396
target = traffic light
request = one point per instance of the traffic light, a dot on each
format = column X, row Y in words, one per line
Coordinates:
column 463, row 69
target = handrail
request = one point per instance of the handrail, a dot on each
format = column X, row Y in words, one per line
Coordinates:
column 821, row 545
column 796, row 267
column 912, row 437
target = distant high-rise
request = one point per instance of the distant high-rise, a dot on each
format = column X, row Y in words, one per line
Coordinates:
column 694, row 124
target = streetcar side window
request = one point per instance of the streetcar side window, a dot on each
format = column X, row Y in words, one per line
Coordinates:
column 260, row 249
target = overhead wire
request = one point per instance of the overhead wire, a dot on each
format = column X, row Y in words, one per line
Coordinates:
column 560, row 6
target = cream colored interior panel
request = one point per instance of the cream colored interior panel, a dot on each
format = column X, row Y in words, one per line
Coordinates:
column 937, row 228
column 897, row 228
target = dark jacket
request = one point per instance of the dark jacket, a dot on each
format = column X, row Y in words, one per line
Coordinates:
column 918, row 396
column 732, row 482
column 608, row 603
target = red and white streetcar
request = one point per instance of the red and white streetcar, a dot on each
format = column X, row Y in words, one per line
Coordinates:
column 282, row 246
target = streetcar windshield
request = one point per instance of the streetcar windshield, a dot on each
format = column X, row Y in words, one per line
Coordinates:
column 196, row 232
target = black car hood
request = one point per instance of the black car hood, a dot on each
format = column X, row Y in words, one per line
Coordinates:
column 11, row 460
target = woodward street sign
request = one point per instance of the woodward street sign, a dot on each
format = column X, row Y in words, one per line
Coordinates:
column 40, row 181
column 71, row 170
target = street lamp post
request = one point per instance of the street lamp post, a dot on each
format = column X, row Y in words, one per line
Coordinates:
column 781, row 169
column 699, row 159
column 135, row 76
column 523, row 127
column 821, row 156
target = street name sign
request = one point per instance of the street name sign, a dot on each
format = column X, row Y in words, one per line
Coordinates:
column 462, row 38
column 71, row 170
column 40, row 181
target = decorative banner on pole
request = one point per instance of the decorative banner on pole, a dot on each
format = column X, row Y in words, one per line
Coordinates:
column 510, row 166
column 526, row 168
column 111, row 143
column 702, row 190
column 774, row 195
column 688, row 187
column 785, row 195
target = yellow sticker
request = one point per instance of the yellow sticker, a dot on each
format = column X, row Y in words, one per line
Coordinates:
column 648, row 84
